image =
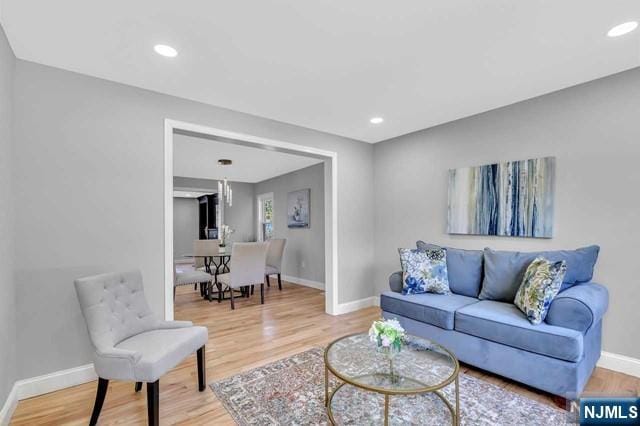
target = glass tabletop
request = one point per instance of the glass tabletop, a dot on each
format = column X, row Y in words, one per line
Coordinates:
column 421, row 365
column 222, row 252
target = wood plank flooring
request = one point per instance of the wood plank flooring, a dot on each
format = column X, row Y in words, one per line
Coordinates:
column 291, row 321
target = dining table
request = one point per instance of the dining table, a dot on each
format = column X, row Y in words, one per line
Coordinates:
column 215, row 264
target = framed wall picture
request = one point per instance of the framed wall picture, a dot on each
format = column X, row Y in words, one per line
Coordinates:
column 513, row 198
column 298, row 208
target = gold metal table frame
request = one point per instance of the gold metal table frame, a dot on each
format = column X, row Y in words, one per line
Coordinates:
column 328, row 395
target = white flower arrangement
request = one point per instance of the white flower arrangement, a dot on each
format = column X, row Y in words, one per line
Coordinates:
column 225, row 233
column 387, row 334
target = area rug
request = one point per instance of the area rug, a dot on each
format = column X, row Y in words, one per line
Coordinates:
column 291, row 392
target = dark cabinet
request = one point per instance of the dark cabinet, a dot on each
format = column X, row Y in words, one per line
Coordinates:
column 207, row 225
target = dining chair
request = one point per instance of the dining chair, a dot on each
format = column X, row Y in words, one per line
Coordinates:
column 203, row 248
column 187, row 277
column 274, row 259
column 248, row 261
column 130, row 342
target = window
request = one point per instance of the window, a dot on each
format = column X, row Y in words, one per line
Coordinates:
column 265, row 217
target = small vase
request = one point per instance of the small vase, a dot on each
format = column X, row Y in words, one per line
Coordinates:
column 390, row 353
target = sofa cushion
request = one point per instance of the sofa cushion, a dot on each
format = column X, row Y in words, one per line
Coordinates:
column 434, row 309
column 464, row 268
column 504, row 323
column 504, row 270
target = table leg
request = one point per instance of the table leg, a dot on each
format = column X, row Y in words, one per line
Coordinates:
column 386, row 410
column 457, row 416
column 326, row 386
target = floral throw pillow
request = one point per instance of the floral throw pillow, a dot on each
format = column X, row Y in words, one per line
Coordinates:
column 424, row 271
column 541, row 283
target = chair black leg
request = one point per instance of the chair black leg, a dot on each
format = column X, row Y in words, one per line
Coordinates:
column 233, row 306
column 174, row 293
column 268, row 282
column 202, row 371
column 138, row 386
column 153, row 403
column 103, row 385
column 262, row 294
column 195, row 286
column 252, row 288
column 210, row 290
column 279, row 282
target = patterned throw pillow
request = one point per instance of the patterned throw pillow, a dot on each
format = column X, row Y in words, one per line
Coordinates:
column 541, row 283
column 424, row 271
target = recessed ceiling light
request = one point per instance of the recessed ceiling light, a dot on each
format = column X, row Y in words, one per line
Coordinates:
column 622, row 29
column 164, row 50
column 376, row 120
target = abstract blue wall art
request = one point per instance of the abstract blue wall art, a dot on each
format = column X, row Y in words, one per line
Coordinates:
column 508, row 199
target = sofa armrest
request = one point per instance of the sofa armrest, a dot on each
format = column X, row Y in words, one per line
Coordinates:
column 579, row 307
column 395, row 282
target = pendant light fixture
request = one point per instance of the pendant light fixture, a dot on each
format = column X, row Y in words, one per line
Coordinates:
column 224, row 189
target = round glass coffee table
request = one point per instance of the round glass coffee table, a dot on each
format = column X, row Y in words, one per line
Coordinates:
column 421, row 367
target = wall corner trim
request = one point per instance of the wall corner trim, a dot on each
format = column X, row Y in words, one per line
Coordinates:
column 9, row 406
column 620, row 363
column 304, row 282
column 356, row 305
column 40, row 385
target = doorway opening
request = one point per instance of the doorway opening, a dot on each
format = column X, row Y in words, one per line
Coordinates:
column 264, row 222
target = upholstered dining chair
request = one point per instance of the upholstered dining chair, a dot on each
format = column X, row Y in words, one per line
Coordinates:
column 204, row 248
column 130, row 343
column 188, row 277
column 274, row 260
column 248, row 261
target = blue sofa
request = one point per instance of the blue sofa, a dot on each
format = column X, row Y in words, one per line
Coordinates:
column 481, row 325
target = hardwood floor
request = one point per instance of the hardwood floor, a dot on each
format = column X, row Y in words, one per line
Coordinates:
column 291, row 321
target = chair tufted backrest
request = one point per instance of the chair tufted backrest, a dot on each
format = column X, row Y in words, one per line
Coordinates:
column 114, row 307
column 274, row 254
column 247, row 264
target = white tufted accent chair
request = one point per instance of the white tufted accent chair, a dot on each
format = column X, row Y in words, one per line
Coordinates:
column 130, row 342
column 274, row 259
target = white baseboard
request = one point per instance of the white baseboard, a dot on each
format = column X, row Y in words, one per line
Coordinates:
column 304, row 282
column 356, row 305
column 9, row 406
column 620, row 363
column 34, row 386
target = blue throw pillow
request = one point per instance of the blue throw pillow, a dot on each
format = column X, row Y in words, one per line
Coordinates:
column 504, row 270
column 464, row 268
column 424, row 271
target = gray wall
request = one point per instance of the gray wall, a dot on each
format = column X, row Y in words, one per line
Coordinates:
column 87, row 147
column 240, row 216
column 185, row 225
column 7, row 288
column 593, row 130
column 304, row 253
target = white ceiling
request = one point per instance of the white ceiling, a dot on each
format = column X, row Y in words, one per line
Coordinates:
column 332, row 65
column 198, row 158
